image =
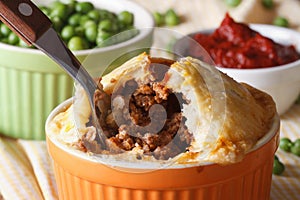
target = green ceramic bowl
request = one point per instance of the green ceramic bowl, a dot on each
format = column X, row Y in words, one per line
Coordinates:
column 31, row 84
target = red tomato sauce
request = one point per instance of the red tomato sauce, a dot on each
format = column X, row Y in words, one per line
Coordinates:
column 235, row 45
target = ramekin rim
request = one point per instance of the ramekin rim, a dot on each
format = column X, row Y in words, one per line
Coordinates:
column 95, row 159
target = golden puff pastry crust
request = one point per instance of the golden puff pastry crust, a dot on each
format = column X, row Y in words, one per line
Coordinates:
column 249, row 116
column 218, row 121
column 226, row 118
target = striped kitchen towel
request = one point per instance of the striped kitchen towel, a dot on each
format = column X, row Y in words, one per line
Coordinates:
column 26, row 171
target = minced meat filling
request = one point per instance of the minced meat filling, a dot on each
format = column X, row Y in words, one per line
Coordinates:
column 158, row 132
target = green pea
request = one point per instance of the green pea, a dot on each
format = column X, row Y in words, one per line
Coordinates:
column 60, row 10
column 91, row 33
column 89, row 23
column 281, row 21
column 107, row 25
column 71, row 6
column 233, row 3
column 158, row 18
column 4, row 40
column 278, row 167
column 105, row 14
column 295, row 149
column 5, row 31
column 103, row 38
column 79, row 31
column 268, row 4
column 13, row 39
column 68, row 32
column 83, row 19
column 126, row 17
column 121, row 26
column 54, row 4
column 84, row 7
column 23, row 44
column 171, row 18
column 104, row 35
column 285, row 144
column 94, row 15
column 74, row 19
column 77, row 43
column 57, row 23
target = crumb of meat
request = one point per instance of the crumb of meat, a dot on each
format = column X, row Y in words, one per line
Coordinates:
column 113, row 80
column 172, row 139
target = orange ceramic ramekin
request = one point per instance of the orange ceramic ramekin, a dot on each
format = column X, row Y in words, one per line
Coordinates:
column 80, row 177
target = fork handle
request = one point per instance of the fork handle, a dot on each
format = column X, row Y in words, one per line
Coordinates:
column 24, row 18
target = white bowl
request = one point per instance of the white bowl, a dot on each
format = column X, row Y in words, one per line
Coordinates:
column 281, row 82
column 105, row 56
